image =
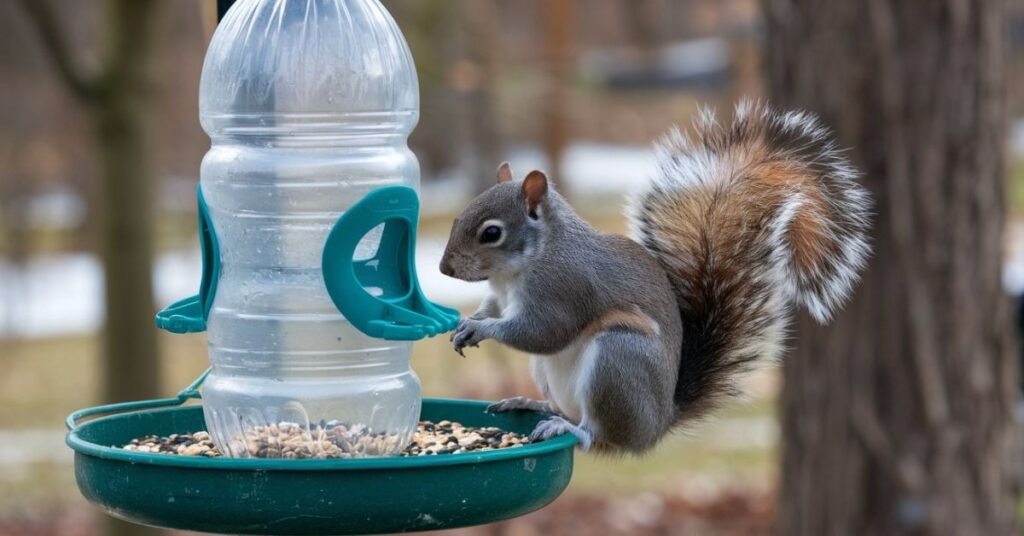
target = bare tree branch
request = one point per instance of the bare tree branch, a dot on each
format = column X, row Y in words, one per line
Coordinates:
column 42, row 17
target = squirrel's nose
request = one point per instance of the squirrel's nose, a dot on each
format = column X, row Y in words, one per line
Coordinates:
column 446, row 268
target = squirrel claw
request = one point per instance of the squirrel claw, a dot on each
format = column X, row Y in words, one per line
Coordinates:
column 467, row 335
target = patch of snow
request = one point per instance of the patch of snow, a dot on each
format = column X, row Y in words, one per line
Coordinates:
column 592, row 169
column 447, row 194
column 62, row 294
column 1013, row 265
column 695, row 57
column 50, row 295
column 19, row 449
column 439, row 287
column 589, row 170
column 57, row 208
column 600, row 170
column 1017, row 137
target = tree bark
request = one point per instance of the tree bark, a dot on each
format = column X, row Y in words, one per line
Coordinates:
column 117, row 98
column 124, row 216
column 484, row 126
column 898, row 418
column 556, row 17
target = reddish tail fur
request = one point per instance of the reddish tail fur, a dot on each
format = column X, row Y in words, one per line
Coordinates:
column 747, row 219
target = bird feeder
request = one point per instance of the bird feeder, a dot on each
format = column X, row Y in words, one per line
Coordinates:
column 308, row 208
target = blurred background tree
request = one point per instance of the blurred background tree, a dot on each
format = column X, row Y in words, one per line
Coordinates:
column 116, row 93
column 557, row 16
column 898, row 418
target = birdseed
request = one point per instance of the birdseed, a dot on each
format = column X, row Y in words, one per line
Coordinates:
column 333, row 440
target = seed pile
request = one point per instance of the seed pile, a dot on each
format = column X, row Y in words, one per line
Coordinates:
column 197, row 444
column 448, row 437
column 325, row 440
column 334, row 440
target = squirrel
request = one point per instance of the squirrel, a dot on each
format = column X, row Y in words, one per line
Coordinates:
column 633, row 337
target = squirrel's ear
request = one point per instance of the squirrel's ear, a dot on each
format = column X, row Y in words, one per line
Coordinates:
column 535, row 188
column 504, row 172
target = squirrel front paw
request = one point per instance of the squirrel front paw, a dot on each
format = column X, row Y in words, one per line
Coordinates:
column 469, row 333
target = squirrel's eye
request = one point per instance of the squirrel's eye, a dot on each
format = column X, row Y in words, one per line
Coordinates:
column 490, row 235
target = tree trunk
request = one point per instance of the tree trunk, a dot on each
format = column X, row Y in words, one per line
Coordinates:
column 124, row 215
column 556, row 17
column 480, row 43
column 124, row 209
column 118, row 98
column 898, row 418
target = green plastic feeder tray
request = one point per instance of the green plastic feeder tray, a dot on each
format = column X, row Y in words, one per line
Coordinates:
column 321, row 497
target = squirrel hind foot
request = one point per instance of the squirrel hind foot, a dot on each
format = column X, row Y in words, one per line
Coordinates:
column 556, row 426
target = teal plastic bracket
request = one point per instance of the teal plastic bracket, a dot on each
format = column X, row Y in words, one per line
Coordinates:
column 189, row 315
column 381, row 296
column 184, row 395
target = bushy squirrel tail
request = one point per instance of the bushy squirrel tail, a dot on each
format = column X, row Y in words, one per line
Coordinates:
column 748, row 219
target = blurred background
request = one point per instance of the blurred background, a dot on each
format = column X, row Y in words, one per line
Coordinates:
column 901, row 418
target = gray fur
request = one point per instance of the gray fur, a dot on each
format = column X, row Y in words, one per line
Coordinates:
column 631, row 393
column 573, row 275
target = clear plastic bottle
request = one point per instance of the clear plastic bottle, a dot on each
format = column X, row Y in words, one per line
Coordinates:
column 308, row 105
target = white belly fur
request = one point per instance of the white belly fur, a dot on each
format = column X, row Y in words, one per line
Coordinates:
column 565, row 377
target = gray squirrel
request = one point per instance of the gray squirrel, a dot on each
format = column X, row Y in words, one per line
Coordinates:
column 631, row 338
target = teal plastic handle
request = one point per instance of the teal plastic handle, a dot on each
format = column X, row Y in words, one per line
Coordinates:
column 189, row 315
column 396, row 309
column 190, row 392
